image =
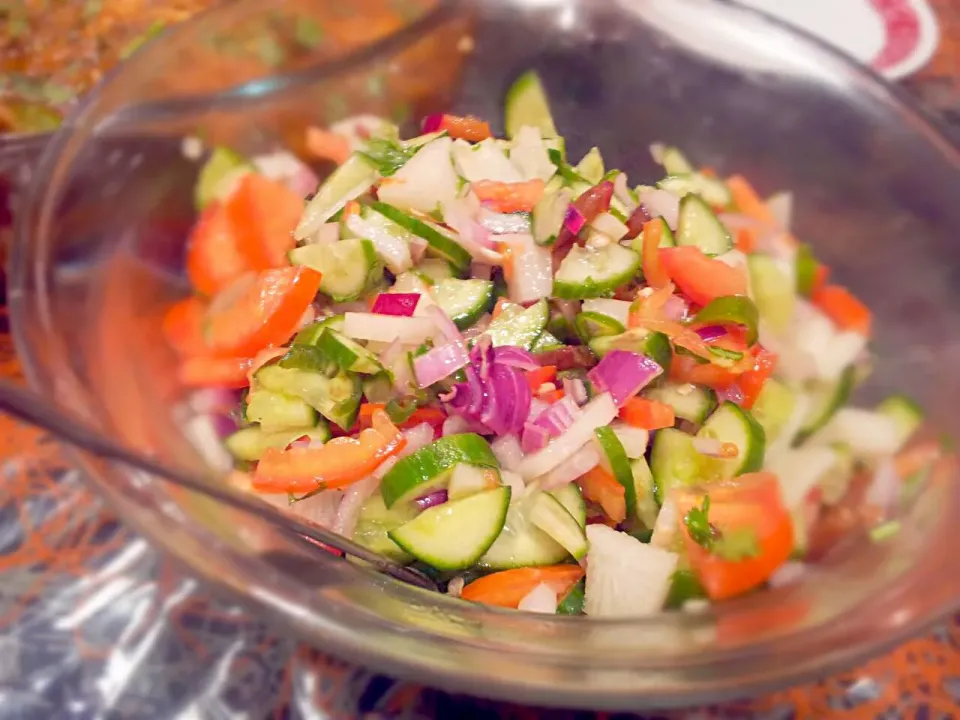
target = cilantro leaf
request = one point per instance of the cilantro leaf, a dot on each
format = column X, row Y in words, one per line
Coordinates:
column 698, row 525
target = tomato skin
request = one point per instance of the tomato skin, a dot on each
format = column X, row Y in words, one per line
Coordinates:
column 208, row 372
column 509, row 197
column 752, row 381
column 183, row 326
column 701, row 278
column 260, row 310
column 213, row 258
column 647, row 414
column 653, row 270
column 750, row 502
column 844, row 308
column 263, row 215
column 544, row 374
column 508, row 587
column 600, row 487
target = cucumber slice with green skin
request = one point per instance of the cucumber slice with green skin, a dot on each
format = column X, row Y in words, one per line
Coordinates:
column 435, row 270
column 455, row 535
column 713, row 190
column 773, row 291
column 469, row 479
column 654, row 345
column 346, row 183
column 907, row 415
column 647, row 508
column 348, row 268
column 825, row 400
column 689, row 402
column 614, row 459
column 249, row 443
column 732, row 310
column 276, row 412
column 806, row 272
column 773, row 408
column 522, row 544
column 379, row 388
column 548, row 214
column 463, row 301
column 429, row 468
column 572, row 499
column 526, row 104
column 667, row 238
column 591, row 325
column 699, row 227
column 674, row 162
column 730, row 423
column 591, row 167
column 219, row 175
column 573, row 602
column 586, row 273
column 546, row 342
column 548, row 514
column 518, row 326
column 440, row 240
column 309, row 335
column 348, row 354
column 673, row 461
column 337, row 398
column 390, row 240
column 373, row 524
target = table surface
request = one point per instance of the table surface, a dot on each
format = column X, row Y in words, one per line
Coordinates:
column 95, row 623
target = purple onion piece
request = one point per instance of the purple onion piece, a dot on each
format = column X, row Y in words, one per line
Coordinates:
column 623, row 374
column 574, row 220
column 534, row 438
column 437, row 497
column 432, row 123
column 711, row 332
column 515, row 357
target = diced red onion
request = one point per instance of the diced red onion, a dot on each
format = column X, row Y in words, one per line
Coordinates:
column 569, row 309
column 508, row 452
column 638, row 218
column 481, row 271
column 535, row 437
column 559, row 416
column 787, row 574
column 583, row 461
column 575, row 390
column 353, row 499
column 516, row 357
column 711, row 333
column 440, row 362
column 661, row 203
column 537, row 406
column 623, row 374
column 542, row 599
column 437, row 497
column 732, row 393
column 398, row 304
column 302, row 442
column 506, row 400
column 224, row 425
column 675, row 308
column 432, row 123
column 574, row 220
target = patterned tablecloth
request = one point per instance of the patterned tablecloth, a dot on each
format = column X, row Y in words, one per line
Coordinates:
column 95, row 624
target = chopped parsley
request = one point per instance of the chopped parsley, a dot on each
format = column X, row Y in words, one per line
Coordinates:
column 734, row 545
column 308, row 32
column 387, row 156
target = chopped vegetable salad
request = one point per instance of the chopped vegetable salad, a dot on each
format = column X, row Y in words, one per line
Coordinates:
column 550, row 389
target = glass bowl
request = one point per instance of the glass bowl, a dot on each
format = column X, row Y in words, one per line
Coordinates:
column 98, row 256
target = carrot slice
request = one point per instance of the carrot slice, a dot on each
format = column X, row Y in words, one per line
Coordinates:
column 229, row 372
column 339, row 463
column 600, row 487
column 263, row 215
column 844, row 308
column 653, row 269
column 647, row 414
column 509, row 197
column 260, row 310
column 509, row 587
column 214, row 259
column 748, row 202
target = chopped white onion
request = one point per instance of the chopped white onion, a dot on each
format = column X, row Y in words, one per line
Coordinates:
column 529, row 155
column 623, row 193
column 417, row 437
column 320, row 508
column 537, row 406
column 454, row 425
column 661, row 203
column 733, row 258
column 619, row 310
column 471, row 236
column 394, row 250
column 285, row 167
column 633, row 439
column 418, row 248
column 597, row 413
column 866, row 432
column 508, row 452
column 483, row 161
column 201, row 430
column 609, row 225
column 542, row 599
column 455, row 586
column 884, row 491
column 427, row 179
column 799, row 470
column 387, row 328
column 780, row 206
column 353, row 499
column 504, row 223
column 665, row 529
column 359, row 128
column 582, row 462
column 708, row 446
column 532, row 276
column 517, row 487
column 787, row 574
column 326, row 234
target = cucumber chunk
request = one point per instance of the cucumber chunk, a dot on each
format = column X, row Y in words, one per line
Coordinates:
column 589, row 325
column 348, row 268
column 276, row 412
column 774, row 407
column 572, row 499
column 346, row 183
column 219, row 175
column 673, row 461
column 337, row 398
column 433, row 270
column 825, row 399
column 518, row 326
column 521, row 543
column 441, row 241
column 463, row 301
column 689, row 402
column 572, row 603
column 614, row 460
column 526, row 104
column 454, row 535
column 588, row 273
column 249, row 443
column 713, row 190
column 646, row 509
column 654, row 345
column 773, row 291
column 347, row 353
column 373, row 524
column 698, row 226
column 907, row 415
column 732, row 424
column 590, row 168
column 548, row 514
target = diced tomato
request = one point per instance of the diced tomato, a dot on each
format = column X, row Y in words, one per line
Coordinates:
column 552, row 396
column 327, row 145
column 746, row 240
column 509, row 587
column 259, row 310
column 214, row 259
column 647, row 414
column 509, row 197
column 748, row 202
column 219, row 372
column 750, row 503
column 685, row 369
column 183, row 326
column 844, row 308
column 339, row 463
column 263, row 214
column 429, row 415
column 820, row 277
column 699, row 277
column 600, row 487
column 752, row 381
column 465, row 127
column 536, row 378
column 653, row 270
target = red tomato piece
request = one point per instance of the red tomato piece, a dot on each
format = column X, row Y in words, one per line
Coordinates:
column 263, row 214
column 701, row 278
column 214, row 259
